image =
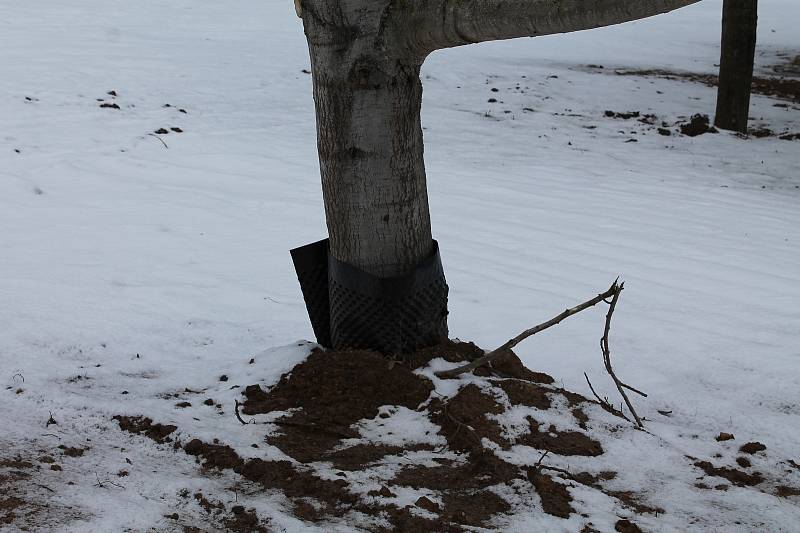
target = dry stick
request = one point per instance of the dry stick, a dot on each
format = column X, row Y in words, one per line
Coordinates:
column 159, row 138
column 607, row 357
column 538, row 467
column 605, row 403
column 527, row 333
column 239, row 417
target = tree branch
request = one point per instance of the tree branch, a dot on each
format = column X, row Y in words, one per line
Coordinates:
column 434, row 24
column 607, row 358
column 613, row 291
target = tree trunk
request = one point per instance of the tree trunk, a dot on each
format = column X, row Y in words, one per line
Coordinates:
column 739, row 19
column 369, row 138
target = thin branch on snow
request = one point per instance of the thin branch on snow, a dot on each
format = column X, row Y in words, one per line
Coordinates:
column 607, row 357
column 604, row 402
column 239, row 417
column 162, row 142
column 615, row 287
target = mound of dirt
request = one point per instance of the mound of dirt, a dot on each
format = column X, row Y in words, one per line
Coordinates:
column 385, row 439
column 698, row 125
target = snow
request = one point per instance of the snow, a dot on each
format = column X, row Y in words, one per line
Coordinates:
column 129, row 266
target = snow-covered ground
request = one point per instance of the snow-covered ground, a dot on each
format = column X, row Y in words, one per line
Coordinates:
column 128, row 264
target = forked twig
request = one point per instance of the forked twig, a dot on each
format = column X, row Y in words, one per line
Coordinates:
column 607, row 358
column 614, row 290
column 604, row 402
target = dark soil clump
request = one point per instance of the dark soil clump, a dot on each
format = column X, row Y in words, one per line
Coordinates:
column 737, row 477
column 145, row 426
column 17, row 463
column 464, row 422
column 555, row 497
column 358, row 456
column 622, row 115
column 506, row 364
column 561, row 443
column 698, row 125
column 214, row 455
column 524, row 393
column 297, row 484
column 72, row 452
column 752, row 448
column 784, row 492
column 334, row 390
column 478, row 473
column 626, row 526
column 631, row 500
column 473, row 509
column 450, row 351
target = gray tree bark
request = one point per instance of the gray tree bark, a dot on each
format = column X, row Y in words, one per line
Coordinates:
column 738, row 51
column 368, row 97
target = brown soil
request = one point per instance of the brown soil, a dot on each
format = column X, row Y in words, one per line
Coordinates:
column 752, row 447
column 333, row 391
column 626, row 526
column 737, row 477
column 8, row 506
column 358, row 456
column 217, row 456
column 16, row 463
column 244, row 520
column 236, row 519
column 784, row 491
column 72, row 452
column 472, row 509
column 19, row 508
column 785, row 88
column 330, row 392
column 506, row 364
column 524, row 393
column 562, row 443
column 464, row 422
column 145, row 426
column 555, row 496
column 697, row 125
column 633, row 501
column 622, row 115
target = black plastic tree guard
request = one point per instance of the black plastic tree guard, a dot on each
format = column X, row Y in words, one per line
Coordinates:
column 352, row 309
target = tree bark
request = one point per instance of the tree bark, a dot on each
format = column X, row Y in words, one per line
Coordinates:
column 368, row 99
column 739, row 22
column 435, row 24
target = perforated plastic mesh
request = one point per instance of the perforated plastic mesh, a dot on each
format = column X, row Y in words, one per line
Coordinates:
column 391, row 315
